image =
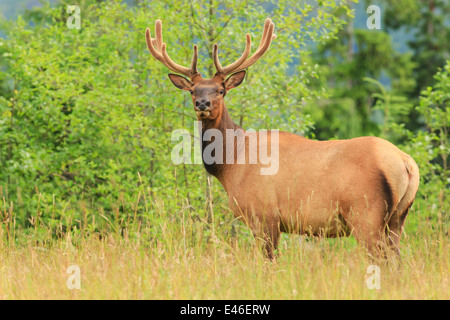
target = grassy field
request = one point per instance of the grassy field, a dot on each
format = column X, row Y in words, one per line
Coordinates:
column 183, row 256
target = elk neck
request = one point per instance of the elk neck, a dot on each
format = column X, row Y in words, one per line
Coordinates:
column 222, row 122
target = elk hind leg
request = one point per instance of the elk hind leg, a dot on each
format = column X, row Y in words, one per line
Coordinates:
column 367, row 227
column 397, row 220
column 395, row 225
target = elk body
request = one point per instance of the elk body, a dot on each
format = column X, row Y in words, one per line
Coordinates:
column 362, row 186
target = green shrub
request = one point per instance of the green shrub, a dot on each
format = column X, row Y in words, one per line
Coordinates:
column 87, row 115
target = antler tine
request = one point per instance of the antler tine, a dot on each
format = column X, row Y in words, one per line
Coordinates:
column 242, row 63
column 266, row 28
column 150, row 45
column 264, row 45
column 216, row 59
column 264, row 35
column 229, row 69
column 158, row 34
column 248, row 45
column 194, row 60
column 175, row 66
column 157, row 48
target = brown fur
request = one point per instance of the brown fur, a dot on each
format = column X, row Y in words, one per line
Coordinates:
column 363, row 186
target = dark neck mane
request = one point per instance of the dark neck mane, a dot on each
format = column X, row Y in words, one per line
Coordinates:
column 222, row 123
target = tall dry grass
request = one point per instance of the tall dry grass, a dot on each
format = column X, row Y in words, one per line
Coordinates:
column 181, row 255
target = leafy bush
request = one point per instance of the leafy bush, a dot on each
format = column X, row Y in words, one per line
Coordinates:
column 431, row 147
column 87, row 115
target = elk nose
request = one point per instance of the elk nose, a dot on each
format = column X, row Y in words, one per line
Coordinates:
column 202, row 104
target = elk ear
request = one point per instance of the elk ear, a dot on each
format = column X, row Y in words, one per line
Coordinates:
column 180, row 82
column 234, row 80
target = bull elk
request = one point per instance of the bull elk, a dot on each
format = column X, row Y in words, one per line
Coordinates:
column 363, row 186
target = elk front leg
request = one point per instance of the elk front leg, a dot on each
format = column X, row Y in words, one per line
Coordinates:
column 267, row 230
column 271, row 240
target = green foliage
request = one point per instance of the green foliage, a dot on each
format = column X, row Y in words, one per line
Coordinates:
column 428, row 22
column 393, row 110
column 87, row 115
column 432, row 147
column 345, row 63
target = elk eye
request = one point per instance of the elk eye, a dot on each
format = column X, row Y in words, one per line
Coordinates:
column 222, row 91
column 192, row 92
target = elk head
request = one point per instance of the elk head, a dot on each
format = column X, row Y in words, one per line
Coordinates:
column 208, row 94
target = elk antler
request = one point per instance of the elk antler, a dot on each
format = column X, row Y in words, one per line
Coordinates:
column 242, row 63
column 158, row 49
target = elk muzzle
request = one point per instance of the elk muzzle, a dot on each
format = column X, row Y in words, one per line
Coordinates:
column 202, row 108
